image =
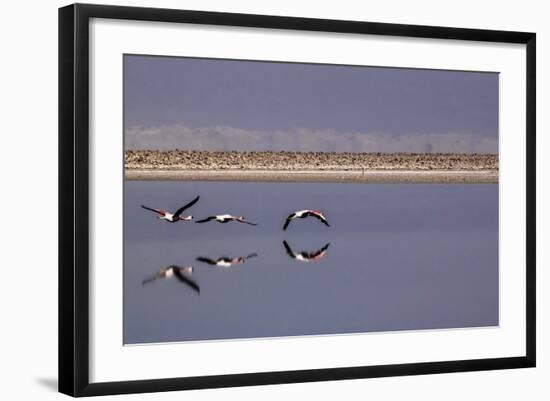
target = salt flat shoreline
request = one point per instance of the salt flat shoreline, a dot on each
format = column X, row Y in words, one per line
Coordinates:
column 305, row 161
column 343, row 176
column 286, row 166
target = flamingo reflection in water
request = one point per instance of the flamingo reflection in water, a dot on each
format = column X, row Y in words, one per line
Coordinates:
column 225, row 261
column 305, row 256
column 183, row 274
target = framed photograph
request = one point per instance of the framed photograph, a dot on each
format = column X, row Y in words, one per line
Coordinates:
column 250, row 199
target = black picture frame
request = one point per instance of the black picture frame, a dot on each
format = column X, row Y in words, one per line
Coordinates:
column 74, row 200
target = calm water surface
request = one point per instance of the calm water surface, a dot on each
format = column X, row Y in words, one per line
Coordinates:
column 401, row 257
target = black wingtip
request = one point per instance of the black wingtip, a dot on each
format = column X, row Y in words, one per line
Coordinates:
column 287, row 222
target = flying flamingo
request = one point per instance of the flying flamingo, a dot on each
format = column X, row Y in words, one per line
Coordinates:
column 224, row 261
column 306, row 256
column 181, row 273
column 173, row 217
column 226, row 218
column 302, row 214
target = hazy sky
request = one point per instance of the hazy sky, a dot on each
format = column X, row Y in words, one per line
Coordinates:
column 206, row 104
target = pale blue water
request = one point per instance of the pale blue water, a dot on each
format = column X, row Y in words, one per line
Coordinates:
column 401, row 257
